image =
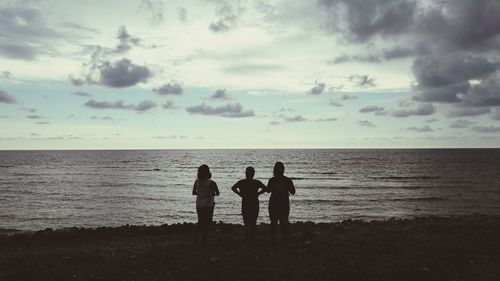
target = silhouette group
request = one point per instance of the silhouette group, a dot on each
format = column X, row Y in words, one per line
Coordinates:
column 249, row 190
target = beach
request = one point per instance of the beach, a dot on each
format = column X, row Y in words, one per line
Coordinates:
column 424, row 248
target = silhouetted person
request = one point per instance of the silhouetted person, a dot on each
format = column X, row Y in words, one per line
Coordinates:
column 279, row 205
column 248, row 190
column 205, row 189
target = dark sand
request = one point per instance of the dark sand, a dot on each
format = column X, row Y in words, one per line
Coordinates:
column 431, row 248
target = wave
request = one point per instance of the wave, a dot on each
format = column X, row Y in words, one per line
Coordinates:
column 405, row 178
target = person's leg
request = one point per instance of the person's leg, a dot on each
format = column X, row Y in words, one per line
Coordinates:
column 284, row 223
column 198, row 226
column 246, row 223
column 274, row 221
column 207, row 221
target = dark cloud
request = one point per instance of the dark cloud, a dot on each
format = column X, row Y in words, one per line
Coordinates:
column 468, row 111
column 461, row 124
column 123, row 73
column 76, row 81
column 422, row 109
column 372, row 108
column 274, row 123
column 362, row 80
column 43, row 123
column 219, row 26
column 232, row 110
column 81, row 94
column 317, row 89
column 398, row 52
column 366, row 123
column 326, row 119
column 422, row 129
column 34, row 117
column 360, row 20
column 495, row 115
column 24, row 33
column 172, row 88
column 7, row 98
column 484, row 129
column 140, row 107
column 220, row 95
column 296, row 118
column 126, row 41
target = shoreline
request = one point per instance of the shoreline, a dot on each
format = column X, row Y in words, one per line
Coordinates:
column 424, row 248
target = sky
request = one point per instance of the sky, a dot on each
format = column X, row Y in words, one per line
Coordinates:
column 166, row 74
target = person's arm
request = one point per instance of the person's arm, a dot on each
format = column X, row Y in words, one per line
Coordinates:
column 215, row 188
column 194, row 188
column 268, row 188
column 235, row 188
column 291, row 188
column 262, row 187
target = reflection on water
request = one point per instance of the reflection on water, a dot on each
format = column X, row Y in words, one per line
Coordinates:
column 41, row 189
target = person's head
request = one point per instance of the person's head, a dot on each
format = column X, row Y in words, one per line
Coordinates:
column 279, row 169
column 250, row 172
column 204, row 172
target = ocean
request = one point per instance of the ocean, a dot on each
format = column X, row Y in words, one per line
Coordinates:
column 57, row 189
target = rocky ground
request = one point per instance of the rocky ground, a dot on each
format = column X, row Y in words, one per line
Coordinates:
column 430, row 248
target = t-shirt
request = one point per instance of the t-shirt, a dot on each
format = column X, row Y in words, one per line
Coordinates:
column 280, row 187
column 249, row 189
column 205, row 192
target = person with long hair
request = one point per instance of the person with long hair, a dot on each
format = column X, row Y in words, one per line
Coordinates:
column 280, row 188
column 205, row 189
column 249, row 190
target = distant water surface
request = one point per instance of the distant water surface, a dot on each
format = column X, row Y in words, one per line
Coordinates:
column 40, row 189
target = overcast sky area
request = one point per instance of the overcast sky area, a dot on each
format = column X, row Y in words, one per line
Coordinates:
column 123, row 74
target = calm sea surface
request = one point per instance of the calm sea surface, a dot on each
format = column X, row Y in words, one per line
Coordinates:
column 40, row 189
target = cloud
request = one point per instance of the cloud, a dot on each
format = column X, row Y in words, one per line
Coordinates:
column 372, row 108
column 126, row 41
column 169, row 105
column 355, row 58
column 7, row 98
column 140, row 107
column 231, row 110
column 461, row 124
column 366, row 123
column 25, row 34
column 296, row 118
column 484, row 129
column 172, row 88
column 34, row 117
column 347, row 97
column 252, row 68
column 495, row 115
column 274, row 123
column 155, row 8
column 431, row 120
column 123, row 73
column 326, row 119
column 422, row 129
column 43, row 123
column 317, row 89
column 335, row 103
column 81, row 94
column 104, row 118
column 422, row 109
column 182, row 13
column 360, row 20
column 468, row 111
column 228, row 13
column 362, row 80
column 5, row 75
column 220, row 95
column 398, row 52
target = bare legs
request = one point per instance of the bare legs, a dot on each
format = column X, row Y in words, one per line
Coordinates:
column 205, row 217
